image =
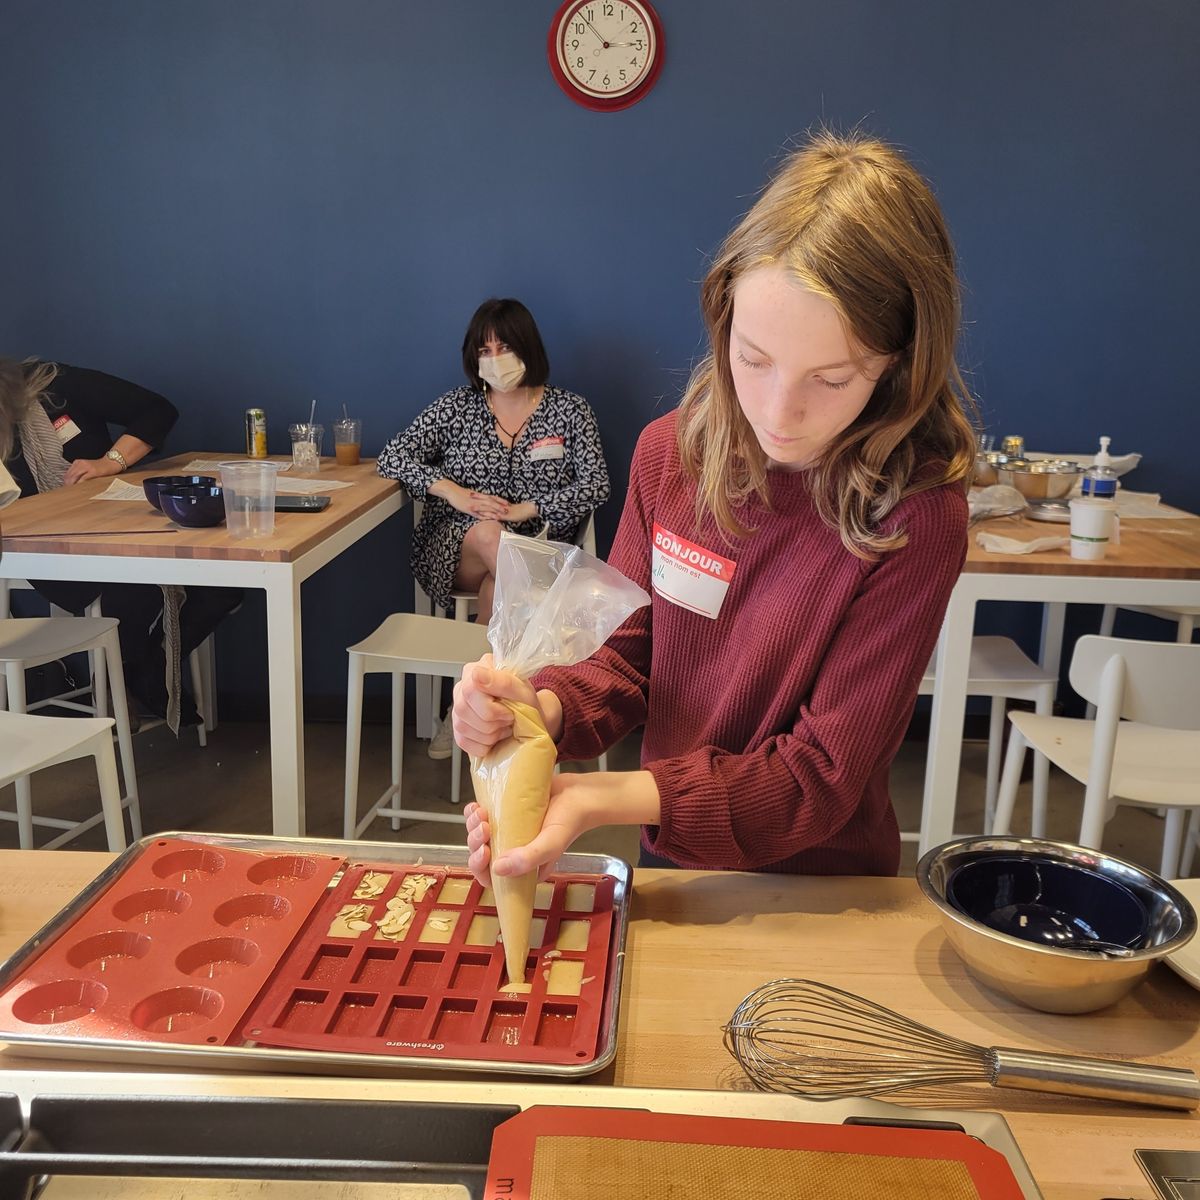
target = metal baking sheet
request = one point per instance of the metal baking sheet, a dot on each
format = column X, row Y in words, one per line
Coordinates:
column 259, row 1058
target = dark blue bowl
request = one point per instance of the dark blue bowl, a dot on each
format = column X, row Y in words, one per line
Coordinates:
column 156, row 483
column 1050, row 903
column 195, row 507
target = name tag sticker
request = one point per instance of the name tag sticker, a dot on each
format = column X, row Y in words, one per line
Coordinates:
column 687, row 574
column 547, row 447
column 66, row 428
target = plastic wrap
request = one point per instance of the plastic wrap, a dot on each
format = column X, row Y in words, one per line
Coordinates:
column 554, row 605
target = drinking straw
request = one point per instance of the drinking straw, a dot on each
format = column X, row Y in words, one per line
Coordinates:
column 312, row 413
column 345, row 414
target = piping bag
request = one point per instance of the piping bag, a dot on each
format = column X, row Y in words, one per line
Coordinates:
column 554, row 605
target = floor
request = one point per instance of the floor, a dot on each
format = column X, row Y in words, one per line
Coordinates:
column 225, row 788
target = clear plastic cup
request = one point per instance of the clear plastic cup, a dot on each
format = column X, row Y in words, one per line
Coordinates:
column 347, row 441
column 306, row 448
column 249, row 489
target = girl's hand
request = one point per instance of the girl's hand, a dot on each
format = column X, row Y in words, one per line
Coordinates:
column 578, row 802
column 519, row 513
column 480, row 720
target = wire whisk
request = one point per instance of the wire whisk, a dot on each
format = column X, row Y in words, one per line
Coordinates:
column 797, row 1035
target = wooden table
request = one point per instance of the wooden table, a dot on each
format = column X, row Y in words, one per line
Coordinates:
column 1157, row 563
column 302, row 544
column 699, row 941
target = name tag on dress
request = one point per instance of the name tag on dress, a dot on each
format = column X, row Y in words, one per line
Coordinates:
column 687, row 574
column 66, row 428
column 547, row 447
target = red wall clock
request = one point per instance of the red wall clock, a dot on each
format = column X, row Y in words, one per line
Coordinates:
column 605, row 54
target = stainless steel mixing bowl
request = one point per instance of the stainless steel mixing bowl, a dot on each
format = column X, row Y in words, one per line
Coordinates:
column 1053, row 978
column 1040, row 479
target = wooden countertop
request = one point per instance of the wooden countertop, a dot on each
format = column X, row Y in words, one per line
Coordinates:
column 1149, row 549
column 699, row 941
column 58, row 514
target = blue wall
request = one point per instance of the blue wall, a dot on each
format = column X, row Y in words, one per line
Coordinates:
column 270, row 201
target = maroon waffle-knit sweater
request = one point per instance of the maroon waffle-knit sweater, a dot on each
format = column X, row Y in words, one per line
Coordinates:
column 769, row 729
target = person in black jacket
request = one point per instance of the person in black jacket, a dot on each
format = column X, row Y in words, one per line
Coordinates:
column 54, row 432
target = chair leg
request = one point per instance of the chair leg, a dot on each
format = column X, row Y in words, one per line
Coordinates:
column 116, row 682
column 199, row 694
column 456, row 757
column 354, row 700
column 398, row 741
column 209, row 664
column 1044, row 707
column 98, row 661
column 1010, row 780
column 1189, row 844
column 110, row 793
column 602, row 761
column 992, row 778
column 1185, row 629
column 1172, row 843
column 15, row 677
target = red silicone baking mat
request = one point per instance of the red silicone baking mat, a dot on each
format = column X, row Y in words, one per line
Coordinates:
column 173, row 950
column 548, row 1153
column 432, row 984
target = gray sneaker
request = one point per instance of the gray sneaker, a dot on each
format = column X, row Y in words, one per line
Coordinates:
column 441, row 745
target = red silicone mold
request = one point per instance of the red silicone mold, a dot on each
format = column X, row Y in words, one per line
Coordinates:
column 174, row 950
column 440, row 991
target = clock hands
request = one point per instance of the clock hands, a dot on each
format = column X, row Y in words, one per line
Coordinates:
column 594, row 30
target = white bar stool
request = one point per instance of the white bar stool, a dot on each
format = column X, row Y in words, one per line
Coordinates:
column 405, row 644
column 31, row 641
column 1000, row 669
column 28, row 744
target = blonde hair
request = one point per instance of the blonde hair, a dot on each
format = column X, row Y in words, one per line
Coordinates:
column 850, row 220
column 21, row 387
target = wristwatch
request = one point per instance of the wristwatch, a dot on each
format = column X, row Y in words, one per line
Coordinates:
column 117, row 457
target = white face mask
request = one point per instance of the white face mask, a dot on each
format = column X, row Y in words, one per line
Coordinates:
column 502, row 371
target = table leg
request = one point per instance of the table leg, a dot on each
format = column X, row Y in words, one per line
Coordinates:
column 942, row 762
column 286, row 681
column 1054, row 617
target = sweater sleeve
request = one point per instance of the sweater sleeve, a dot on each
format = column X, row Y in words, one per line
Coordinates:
column 136, row 410
column 604, row 697
column 414, row 456
column 568, row 508
column 797, row 789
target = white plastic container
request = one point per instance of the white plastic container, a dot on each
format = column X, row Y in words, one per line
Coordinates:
column 1093, row 525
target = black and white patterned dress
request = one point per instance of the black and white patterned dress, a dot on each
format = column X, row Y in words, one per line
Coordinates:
column 557, row 463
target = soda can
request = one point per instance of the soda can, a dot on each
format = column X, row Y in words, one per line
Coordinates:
column 256, row 433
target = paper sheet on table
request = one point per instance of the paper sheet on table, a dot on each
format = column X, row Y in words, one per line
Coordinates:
column 995, row 544
column 292, row 486
column 1138, row 506
column 120, row 490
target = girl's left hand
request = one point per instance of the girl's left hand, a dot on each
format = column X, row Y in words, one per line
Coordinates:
column 90, row 468
column 520, row 513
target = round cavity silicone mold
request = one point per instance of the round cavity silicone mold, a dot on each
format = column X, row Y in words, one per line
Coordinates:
column 103, row 951
column 63, row 1000
column 151, row 905
column 189, row 866
column 217, row 956
column 245, row 912
column 177, row 1009
column 282, row 871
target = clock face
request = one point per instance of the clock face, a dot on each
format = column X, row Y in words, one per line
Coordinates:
column 606, row 53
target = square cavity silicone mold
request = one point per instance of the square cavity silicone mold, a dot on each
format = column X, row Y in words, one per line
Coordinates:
column 174, row 950
column 435, row 985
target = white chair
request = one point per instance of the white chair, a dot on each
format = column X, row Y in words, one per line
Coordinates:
column 1143, row 747
column 405, row 644
column 1001, row 670
column 201, row 663
column 1184, row 619
column 30, row 642
column 28, row 744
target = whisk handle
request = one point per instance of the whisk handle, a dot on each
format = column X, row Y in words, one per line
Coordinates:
column 1104, row 1079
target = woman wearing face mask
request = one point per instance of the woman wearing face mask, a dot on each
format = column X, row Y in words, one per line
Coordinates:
column 800, row 521
column 508, row 451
